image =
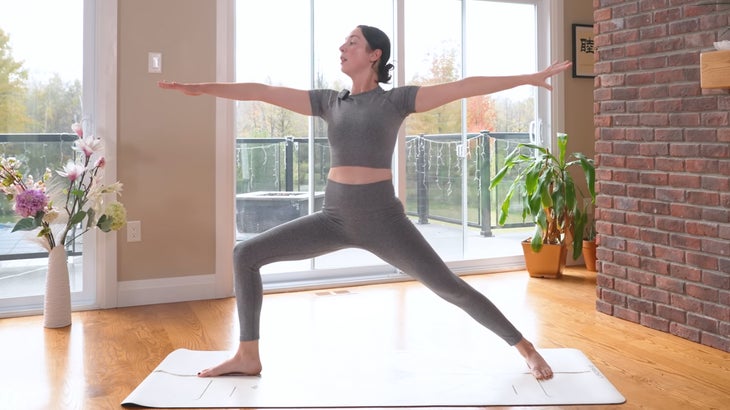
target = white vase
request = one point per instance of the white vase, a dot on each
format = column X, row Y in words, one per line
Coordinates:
column 57, row 301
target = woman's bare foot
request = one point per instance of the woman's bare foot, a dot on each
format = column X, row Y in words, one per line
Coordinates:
column 537, row 364
column 246, row 361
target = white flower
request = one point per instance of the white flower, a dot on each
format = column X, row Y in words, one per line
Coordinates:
column 72, row 171
column 88, row 145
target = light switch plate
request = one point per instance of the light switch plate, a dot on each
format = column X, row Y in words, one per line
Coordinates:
column 154, row 62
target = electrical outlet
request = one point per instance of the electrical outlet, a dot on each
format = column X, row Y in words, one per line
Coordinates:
column 134, row 231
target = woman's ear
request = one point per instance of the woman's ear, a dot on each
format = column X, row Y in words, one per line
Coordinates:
column 375, row 55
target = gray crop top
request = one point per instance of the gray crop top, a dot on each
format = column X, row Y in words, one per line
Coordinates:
column 362, row 128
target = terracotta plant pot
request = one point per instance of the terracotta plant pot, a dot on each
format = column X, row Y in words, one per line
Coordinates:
column 589, row 255
column 548, row 263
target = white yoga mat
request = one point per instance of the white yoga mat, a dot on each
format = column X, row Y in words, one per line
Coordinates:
column 376, row 379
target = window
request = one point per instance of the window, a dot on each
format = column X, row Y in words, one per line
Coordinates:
column 41, row 73
column 282, row 158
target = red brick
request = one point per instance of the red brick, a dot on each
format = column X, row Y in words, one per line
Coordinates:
column 627, row 288
column 716, row 280
column 669, row 195
column 641, row 277
column 684, row 332
column 686, row 303
column 720, row 184
column 640, row 305
column 685, row 242
column 604, row 307
column 701, row 292
column 655, row 266
column 642, row 134
column 669, row 105
column 655, row 237
column 687, row 273
column 669, row 254
column 684, row 150
column 718, row 342
column 702, row 228
column 626, row 314
column 714, row 151
column 627, row 231
column 639, row 219
column 612, row 297
column 654, row 91
column 626, row 176
column 654, row 322
column 701, row 135
column 703, row 198
column 684, row 119
column 654, row 207
column 640, row 248
column 671, row 313
column 641, row 191
column 625, row 120
column 716, row 215
column 717, row 311
column 702, row 260
column 701, row 166
column 670, row 224
column 715, row 119
column 672, row 285
column 715, row 246
column 686, row 211
column 702, row 322
column 627, row 260
column 685, row 180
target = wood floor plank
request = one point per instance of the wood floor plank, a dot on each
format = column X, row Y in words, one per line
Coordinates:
column 102, row 357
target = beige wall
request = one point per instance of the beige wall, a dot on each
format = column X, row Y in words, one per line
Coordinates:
column 165, row 140
column 578, row 91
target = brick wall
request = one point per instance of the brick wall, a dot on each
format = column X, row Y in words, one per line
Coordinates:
column 663, row 169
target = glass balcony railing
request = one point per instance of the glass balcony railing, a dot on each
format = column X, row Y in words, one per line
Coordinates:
column 433, row 175
column 281, row 165
column 37, row 152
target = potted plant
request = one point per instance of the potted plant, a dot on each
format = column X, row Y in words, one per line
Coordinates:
column 589, row 245
column 550, row 197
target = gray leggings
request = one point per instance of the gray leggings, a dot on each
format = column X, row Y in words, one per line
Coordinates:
column 370, row 217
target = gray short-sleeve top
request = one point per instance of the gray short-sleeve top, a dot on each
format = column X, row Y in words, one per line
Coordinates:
column 362, row 128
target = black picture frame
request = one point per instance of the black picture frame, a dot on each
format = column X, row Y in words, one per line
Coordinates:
column 583, row 51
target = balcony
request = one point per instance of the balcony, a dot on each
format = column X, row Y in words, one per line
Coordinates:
column 272, row 187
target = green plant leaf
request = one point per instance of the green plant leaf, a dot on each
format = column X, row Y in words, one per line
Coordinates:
column 77, row 218
column 104, row 223
column 26, row 224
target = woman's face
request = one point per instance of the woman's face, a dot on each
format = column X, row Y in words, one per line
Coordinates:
column 355, row 53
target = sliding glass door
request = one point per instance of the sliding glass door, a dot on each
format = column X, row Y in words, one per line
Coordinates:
column 452, row 151
column 447, row 154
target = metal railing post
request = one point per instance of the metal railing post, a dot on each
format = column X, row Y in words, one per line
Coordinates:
column 289, row 164
column 422, row 179
column 485, row 197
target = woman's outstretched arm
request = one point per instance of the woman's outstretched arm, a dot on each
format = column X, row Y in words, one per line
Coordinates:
column 289, row 98
column 432, row 96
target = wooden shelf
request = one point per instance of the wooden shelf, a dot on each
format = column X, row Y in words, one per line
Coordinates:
column 715, row 69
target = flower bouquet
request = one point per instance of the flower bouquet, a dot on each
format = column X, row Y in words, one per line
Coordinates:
column 62, row 207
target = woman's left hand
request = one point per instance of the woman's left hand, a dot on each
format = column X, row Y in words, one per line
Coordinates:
column 541, row 77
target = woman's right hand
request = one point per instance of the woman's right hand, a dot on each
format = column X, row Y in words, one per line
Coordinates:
column 189, row 89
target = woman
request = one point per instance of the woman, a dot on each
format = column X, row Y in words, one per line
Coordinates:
column 360, row 208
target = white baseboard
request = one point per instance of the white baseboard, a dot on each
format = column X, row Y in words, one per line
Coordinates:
column 178, row 289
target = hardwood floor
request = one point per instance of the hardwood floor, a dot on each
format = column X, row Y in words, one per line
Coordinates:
column 102, row 357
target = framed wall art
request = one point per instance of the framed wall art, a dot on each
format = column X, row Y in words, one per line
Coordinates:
column 583, row 50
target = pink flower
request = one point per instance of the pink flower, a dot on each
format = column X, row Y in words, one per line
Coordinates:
column 29, row 202
column 88, row 145
column 76, row 127
column 72, row 171
column 100, row 163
